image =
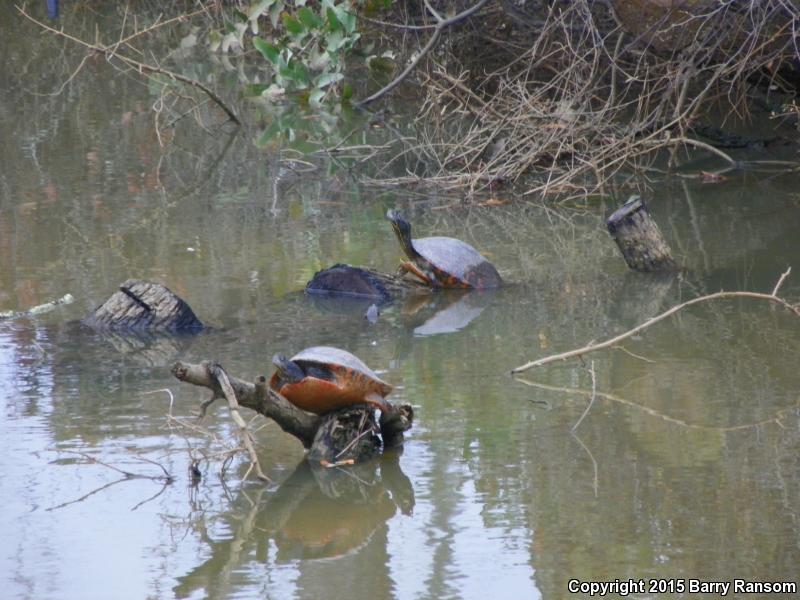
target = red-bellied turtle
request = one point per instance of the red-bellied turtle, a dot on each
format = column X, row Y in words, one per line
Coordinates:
column 443, row 261
column 322, row 379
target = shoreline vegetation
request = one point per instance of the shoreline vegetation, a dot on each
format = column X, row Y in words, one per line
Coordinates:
column 558, row 99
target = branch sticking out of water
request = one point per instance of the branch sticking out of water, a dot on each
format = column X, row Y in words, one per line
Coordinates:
column 592, row 347
column 37, row 310
column 247, row 437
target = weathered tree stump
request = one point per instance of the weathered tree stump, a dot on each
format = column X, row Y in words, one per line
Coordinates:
column 639, row 238
column 144, row 306
column 347, row 434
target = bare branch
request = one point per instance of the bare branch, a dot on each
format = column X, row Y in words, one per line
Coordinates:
column 593, row 347
column 441, row 24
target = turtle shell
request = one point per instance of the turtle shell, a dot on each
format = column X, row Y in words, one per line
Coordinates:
column 456, row 263
column 334, row 379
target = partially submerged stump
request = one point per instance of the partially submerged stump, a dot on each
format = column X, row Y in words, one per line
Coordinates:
column 360, row 282
column 349, row 434
column 639, row 238
column 144, row 306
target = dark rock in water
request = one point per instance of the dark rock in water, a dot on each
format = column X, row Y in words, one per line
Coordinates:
column 346, row 280
column 144, row 306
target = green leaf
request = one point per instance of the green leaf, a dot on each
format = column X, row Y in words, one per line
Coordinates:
column 309, row 19
column 335, row 40
column 347, row 92
column 240, row 15
column 267, row 50
column 318, row 61
column 327, row 79
column 333, row 20
column 259, row 8
column 315, row 98
column 270, row 133
column 292, row 25
column 255, row 89
column 348, row 20
column 296, row 72
column 275, row 13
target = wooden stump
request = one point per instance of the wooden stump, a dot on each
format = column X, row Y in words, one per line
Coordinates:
column 639, row 238
column 347, row 434
column 144, row 306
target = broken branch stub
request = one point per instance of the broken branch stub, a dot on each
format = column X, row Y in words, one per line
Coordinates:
column 639, row 238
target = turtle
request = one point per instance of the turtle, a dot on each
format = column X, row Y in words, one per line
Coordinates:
column 322, row 379
column 443, row 262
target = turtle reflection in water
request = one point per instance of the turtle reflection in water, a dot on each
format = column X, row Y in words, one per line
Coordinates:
column 443, row 261
column 323, row 379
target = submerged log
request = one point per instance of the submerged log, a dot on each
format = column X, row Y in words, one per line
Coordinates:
column 360, row 282
column 144, row 306
column 347, row 434
column 639, row 238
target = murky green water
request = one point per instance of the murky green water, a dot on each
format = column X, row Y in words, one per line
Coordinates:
column 686, row 465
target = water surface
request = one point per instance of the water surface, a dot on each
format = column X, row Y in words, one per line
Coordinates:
column 685, row 465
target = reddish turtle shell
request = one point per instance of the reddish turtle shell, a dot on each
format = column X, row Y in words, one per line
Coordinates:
column 333, row 379
column 443, row 261
column 456, row 263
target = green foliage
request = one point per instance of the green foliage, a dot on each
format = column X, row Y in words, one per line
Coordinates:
column 305, row 48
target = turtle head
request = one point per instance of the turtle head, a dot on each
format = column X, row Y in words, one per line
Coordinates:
column 288, row 370
column 402, row 230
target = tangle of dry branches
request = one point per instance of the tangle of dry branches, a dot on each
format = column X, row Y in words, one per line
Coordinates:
column 580, row 92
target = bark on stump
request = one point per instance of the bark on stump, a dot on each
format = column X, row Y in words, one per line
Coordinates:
column 144, row 306
column 639, row 238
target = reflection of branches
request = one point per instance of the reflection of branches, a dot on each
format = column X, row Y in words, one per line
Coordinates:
column 776, row 419
column 244, row 432
column 595, row 484
column 166, row 479
column 771, row 297
column 591, row 400
column 578, row 422
column 111, row 52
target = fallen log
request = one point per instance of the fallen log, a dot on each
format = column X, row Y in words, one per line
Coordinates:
column 345, row 436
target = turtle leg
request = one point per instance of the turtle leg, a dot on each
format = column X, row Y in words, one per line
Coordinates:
column 377, row 401
column 409, row 267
